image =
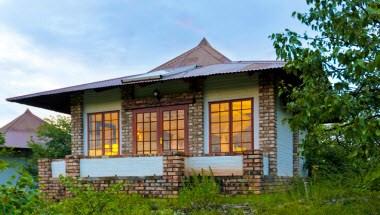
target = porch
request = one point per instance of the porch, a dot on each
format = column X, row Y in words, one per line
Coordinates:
column 159, row 176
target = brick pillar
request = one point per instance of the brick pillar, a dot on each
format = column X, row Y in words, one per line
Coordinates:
column 73, row 166
column 44, row 174
column 127, row 93
column 196, row 125
column 267, row 120
column 296, row 162
column 76, row 110
column 253, row 170
column 174, row 171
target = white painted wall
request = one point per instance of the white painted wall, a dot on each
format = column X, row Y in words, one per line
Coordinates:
column 284, row 143
column 58, row 167
column 219, row 165
column 220, row 88
column 109, row 100
column 128, row 166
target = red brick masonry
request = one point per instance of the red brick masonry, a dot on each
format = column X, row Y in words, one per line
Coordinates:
column 167, row 185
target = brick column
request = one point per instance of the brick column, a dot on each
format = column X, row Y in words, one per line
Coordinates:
column 267, row 120
column 174, row 171
column 73, row 166
column 76, row 110
column 44, row 174
column 253, row 170
column 196, row 125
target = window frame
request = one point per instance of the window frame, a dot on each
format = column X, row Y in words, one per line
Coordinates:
column 159, row 111
column 230, row 101
column 103, row 132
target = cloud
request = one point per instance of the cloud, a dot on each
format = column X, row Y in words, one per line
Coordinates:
column 27, row 67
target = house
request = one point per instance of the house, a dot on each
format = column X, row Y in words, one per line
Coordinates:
column 17, row 134
column 199, row 111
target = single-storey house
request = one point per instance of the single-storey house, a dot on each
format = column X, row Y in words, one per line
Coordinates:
column 18, row 133
column 198, row 112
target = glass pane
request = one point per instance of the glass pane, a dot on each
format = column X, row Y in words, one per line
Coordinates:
column 146, row 146
column 107, row 116
column 225, row 138
column 166, row 115
column 181, row 114
column 214, row 107
column 181, row 144
column 225, row 148
column 153, row 117
column 166, row 135
column 236, row 115
column 246, row 104
column 173, row 135
column 246, row 126
column 247, row 146
column 181, row 124
column 139, row 136
column 153, row 126
column 146, row 136
column 146, row 126
column 237, row 147
column 236, row 126
column 146, row 117
column 224, row 106
column 246, row 114
column 215, row 139
column 173, row 114
column 173, row 144
column 236, row 138
column 214, row 117
column 236, row 105
column 246, row 136
column 139, row 117
column 215, row 128
column 215, row 148
column 166, row 145
column 173, row 125
column 166, row 126
column 224, row 127
column 153, row 136
column 115, row 115
column 181, row 134
column 224, row 117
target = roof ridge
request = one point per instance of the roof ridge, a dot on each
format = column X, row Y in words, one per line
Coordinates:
column 6, row 127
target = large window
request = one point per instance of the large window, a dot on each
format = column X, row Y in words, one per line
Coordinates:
column 103, row 133
column 160, row 130
column 231, row 126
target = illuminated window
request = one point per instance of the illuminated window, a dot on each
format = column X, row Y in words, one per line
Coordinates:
column 231, row 126
column 103, row 133
column 160, row 130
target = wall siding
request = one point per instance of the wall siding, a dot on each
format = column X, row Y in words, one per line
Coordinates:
column 93, row 102
column 219, row 165
column 231, row 87
column 284, row 142
column 122, row 167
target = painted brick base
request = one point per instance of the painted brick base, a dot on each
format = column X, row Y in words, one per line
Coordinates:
column 167, row 186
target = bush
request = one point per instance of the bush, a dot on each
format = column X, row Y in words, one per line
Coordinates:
column 199, row 192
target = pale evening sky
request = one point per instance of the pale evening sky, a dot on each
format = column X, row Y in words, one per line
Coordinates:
column 51, row 44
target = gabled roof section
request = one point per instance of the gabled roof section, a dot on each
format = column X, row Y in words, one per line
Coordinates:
column 202, row 55
column 19, row 131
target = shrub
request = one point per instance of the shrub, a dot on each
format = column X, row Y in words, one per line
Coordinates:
column 199, row 192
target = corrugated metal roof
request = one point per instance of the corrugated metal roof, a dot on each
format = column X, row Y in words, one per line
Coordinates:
column 191, row 72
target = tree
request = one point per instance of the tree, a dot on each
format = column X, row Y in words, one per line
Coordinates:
column 54, row 141
column 338, row 62
column 2, row 139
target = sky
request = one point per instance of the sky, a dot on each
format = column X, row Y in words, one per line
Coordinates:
column 48, row 44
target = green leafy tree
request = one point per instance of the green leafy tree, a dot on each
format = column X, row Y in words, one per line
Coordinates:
column 2, row 139
column 338, row 62
column 54, row 141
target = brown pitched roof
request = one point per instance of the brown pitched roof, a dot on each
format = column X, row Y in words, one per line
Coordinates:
column 19, row 131
column 202, row 55
column 200, row 61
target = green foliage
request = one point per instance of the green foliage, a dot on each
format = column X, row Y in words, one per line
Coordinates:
column 54, row 141
column 338, row 62
column 21, row 197
column 199, row 192
column 2, row 139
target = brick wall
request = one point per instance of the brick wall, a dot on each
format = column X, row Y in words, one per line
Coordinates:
column 168, row 185
column 76, row 124
column 194, row 100
column 267, row 120
column 276, row 183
